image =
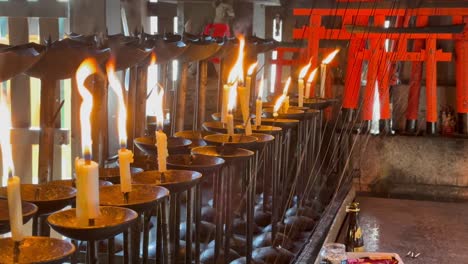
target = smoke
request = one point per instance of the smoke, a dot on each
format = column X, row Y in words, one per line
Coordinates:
column 243, row 25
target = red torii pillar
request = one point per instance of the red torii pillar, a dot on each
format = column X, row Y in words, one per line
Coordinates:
column 354, row 70
column 431, row 87
column 412, row 111
column 313, row 48
column 461, row 51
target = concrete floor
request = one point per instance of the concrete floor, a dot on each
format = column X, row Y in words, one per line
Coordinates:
column 439, row 231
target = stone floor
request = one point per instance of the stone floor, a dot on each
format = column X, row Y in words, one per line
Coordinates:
column 439, row 231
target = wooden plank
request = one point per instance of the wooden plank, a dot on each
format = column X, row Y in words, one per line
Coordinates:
column 140, row 107
column 49, row 29
column 31, row 136
column 42, row 8
column 20, row 103
column 181, row 99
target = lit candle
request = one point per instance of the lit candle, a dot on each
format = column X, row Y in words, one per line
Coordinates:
column 323, row 71
column 231, row 106
column 285, row 103
column 309, row 82
column 125, row 155
column 14, row 183
column 161, row 138
column 259, row 105
column 87, row 171
column 224, row 104
column 300, row 85
column 249, row 84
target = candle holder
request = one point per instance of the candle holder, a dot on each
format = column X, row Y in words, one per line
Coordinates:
column 199, row 48
column 210, row 168
column 29, row 210
column 113, row 174
column 237, row 118
column 35, row 250
column 112, row 221
column 175, row 145
column 144, row 199
column 317, row 103
column 71, row 183
column 238, row 166
column 195, row 136
column 167, row 47
column 228, row 143
column 48, row 199
column 17, row 59
column 215, row 127
column 177, row 182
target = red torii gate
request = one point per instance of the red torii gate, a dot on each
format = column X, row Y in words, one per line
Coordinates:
column 353, row 20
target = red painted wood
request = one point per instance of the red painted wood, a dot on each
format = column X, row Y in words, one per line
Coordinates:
column 461, row 50
column 431, row 81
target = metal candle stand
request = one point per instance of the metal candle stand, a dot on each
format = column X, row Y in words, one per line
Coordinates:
column 210, row 168
column 237, row 160
column 35, row 250
column 146, row 200
column 29, row 210
column 177, row 182
column 111, row 222
column 47, row 198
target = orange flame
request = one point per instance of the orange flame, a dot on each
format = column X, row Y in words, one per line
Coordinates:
column 232, row 97
column 5, row 134
column 330, row 57
column 122, row 112
column 260, row 89
column 286, row 87
column 312, row 75
column 237, row 72
column 304, row 71
column 153, row 58
column 252, row 68
column 159, row 109
column 278, row 103
column 88, row 67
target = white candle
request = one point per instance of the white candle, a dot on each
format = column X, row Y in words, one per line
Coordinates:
column 15, row 208
column 230, row 124
column 323, row 77
column 248, row 86
column 309, row 83
column 307, row 90
column 300, row 98
column 244, row 102
column 161, row 145
column 248, row 128
column 225, row 102
column 87, row 187
column 125, row 158
column 285, row 106
column 258, row 112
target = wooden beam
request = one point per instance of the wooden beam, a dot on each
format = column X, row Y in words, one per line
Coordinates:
column 41, row 8
column 31, row 137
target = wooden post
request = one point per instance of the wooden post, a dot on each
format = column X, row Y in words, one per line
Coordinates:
column 49, row 29
column 431, row 87
column 99, row 124
column 461, row 49
column 313, row 47
column 131, row 106
column 181, row 98
column 140, row 107
column 20, row 102
column 202, row 94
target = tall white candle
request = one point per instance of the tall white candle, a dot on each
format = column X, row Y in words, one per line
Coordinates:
column 323, row 77
column 230, row 123
column 161, row 145
column 307, row 90
column 258, row 112
column 15, row 208
column 244, row 102
column 125, row 158
column 225, row 102
column 309, row 83
column 87, row 187
column 248, row 128
column 300, row 98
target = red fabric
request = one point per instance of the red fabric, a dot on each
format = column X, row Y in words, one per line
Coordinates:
column 216, row 31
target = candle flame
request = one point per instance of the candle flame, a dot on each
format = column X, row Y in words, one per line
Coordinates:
column 237, row 72
column 330, row 57
column 122, row 113
column 232, row 97
column 252, row 68
column 304, row 71
column 312, row 75
column 260, row 89
column 159, row 109
column 153, row 58
column 286, row 87
column 278, row 103
column 88, row 67
column 5, row 134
